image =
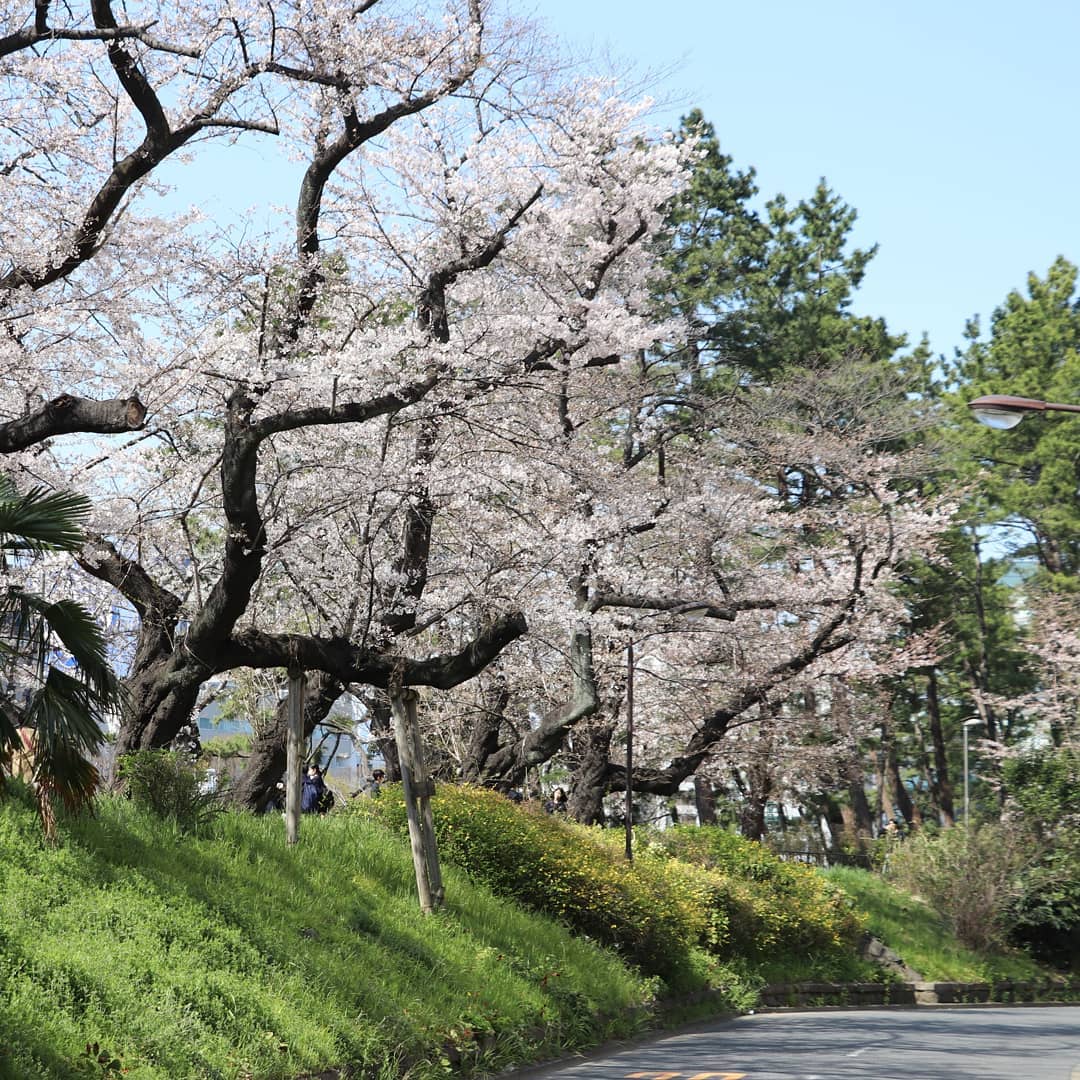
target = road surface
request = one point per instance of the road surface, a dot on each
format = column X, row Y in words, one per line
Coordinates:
column 940, row 1043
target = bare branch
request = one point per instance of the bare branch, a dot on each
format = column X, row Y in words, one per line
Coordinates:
column 349, row 663
column 68, row 414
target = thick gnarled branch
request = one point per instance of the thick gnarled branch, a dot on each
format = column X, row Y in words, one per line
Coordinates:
column 541, row 743
column 67, row 415
column 349, row 663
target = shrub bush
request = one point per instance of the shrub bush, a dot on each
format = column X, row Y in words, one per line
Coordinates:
column 1045, row 794
column 651, row 915
column 770, row 906
column 971, row 876
column 686, row 888
column 168, row 785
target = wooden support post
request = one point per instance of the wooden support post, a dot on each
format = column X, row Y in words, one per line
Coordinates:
column 294, row 756
column 427, row 817
column 418, row 790
column 630, row 752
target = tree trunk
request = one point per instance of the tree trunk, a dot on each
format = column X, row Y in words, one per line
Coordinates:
column 704, row 800
column 589, row 783
column 487, row 725
column 381, row 726
column 941, row 784
column 752, row 817
column 980, row 673
column 755, row 787
column 850, row 827
column 162, row 700
column 266, row 765
column 901, row 798
column 857, row 816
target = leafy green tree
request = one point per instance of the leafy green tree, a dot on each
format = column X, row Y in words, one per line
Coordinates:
column 1016, row 532
column 968, row 601
column 1044, row 789
column 52, row 719
column 763, row 292
column 713, row 244
column 767, row 292
column 1025, row 480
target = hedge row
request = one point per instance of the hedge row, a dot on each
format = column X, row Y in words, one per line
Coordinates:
column 773, row 906
column 686, row 888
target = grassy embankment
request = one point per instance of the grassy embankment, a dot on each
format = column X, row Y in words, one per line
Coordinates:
column 229, row 955
column 922, row 937
column 232, row 956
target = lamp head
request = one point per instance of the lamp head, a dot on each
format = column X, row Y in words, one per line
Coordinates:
column 1003, row 411
column 998, row 419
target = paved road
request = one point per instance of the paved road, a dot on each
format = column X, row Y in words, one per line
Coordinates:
column 1035, row 1043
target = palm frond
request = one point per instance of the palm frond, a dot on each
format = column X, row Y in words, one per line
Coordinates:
column 28, row 623
column 42, row 520
column 82, row 637
column 66, row 714
column 9, row 730
column 69, row 777
column 24, row 630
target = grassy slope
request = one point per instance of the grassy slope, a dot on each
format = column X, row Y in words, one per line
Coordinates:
column 233, row 956
column 921, row 937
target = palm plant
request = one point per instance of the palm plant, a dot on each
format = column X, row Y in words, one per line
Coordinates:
column 52, row 718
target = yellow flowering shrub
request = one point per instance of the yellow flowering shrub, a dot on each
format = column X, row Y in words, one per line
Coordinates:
column 648, row 914
column 773, row 906
column 687, row 887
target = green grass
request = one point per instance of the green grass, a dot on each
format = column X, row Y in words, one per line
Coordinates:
column 922, row 938
column 231, row 955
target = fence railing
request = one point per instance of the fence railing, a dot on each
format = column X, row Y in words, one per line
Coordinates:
column 826, row 858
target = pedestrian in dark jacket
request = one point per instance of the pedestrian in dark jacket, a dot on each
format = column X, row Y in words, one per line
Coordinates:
column 275, row 803
column 557, row 803
column 314, row 795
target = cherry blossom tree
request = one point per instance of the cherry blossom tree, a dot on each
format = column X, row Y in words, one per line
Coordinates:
column 426, row 434
column 285, row 473
column 748, row 547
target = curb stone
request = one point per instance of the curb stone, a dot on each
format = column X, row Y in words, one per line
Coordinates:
column 871, row 995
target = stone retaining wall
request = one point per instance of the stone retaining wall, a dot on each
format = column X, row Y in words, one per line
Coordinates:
column 867, row 995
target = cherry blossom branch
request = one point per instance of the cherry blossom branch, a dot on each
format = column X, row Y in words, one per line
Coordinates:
column 356, row 133
column 41, row 32
column 157, row 607
column 829, row 638
column 541, row 743
column 705, row 609
column 432, row 307
column 159, row 142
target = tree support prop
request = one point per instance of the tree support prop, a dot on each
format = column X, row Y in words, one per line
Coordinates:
column 418, row 790
column 294, row 741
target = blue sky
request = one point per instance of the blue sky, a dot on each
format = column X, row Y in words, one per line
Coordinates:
column 952, row 127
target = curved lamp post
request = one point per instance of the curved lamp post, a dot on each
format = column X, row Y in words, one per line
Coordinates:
column 1003, row 411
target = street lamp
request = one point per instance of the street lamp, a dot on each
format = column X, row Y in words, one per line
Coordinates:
column 1002, row 411
column 973, row 722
